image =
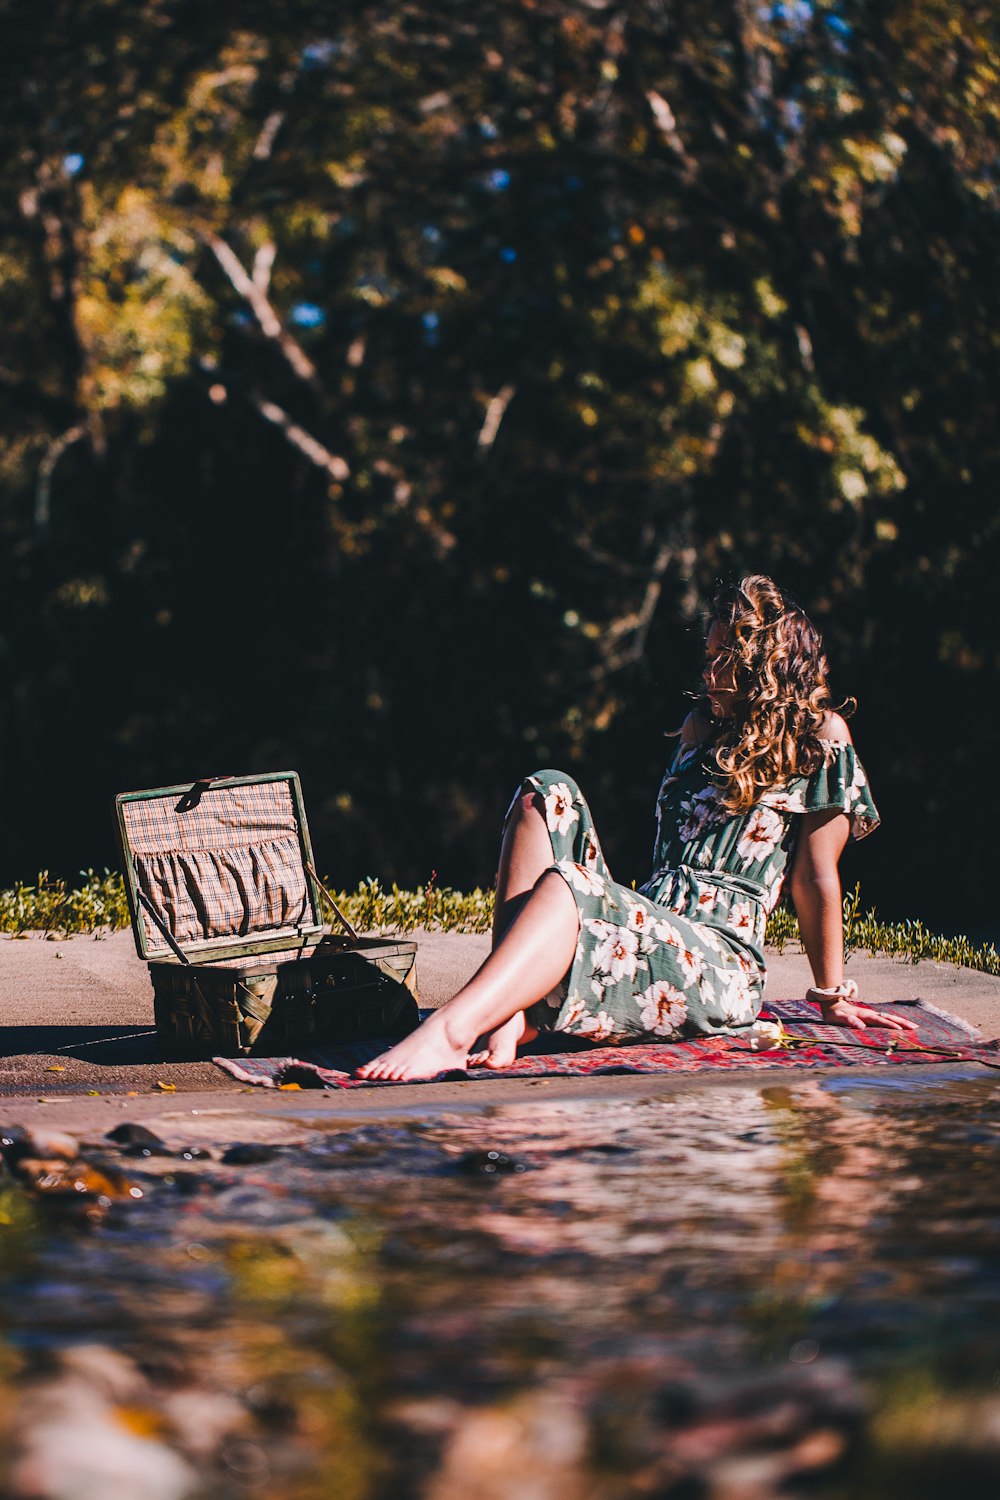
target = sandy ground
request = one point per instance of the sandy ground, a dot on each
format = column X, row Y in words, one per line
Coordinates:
column 76, row 1033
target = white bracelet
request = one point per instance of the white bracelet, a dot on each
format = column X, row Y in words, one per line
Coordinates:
column 846, row 990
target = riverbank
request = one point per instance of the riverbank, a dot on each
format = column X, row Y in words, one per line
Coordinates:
column 76, row 1031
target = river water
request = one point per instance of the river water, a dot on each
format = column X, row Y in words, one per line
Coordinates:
column 732, row 1293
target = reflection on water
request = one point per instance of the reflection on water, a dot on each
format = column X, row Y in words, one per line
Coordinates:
column 743, row 1292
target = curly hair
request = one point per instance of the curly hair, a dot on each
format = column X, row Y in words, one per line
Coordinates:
column 781, row 693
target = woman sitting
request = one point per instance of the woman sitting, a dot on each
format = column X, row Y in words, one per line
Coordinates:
column 766, row 784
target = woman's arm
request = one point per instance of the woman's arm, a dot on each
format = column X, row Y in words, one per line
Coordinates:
column 818, row 902
column 817, row 895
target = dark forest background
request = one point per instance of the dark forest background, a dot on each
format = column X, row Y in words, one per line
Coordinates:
column 383, row 388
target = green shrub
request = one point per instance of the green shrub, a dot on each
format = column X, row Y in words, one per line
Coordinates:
column 49, row 906
column 864, row 932
column 99, row 904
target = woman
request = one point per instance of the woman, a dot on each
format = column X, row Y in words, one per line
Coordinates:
column 768, row 783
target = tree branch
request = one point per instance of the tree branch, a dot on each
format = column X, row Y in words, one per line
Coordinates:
column 46, row 469
column 666, row 123
column 625, row 638
column 268, row 321
column 495, row 413
column 265, row 141
column 304, row 441
column 262, row 263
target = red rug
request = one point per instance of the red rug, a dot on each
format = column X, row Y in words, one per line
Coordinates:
column 941, row 1038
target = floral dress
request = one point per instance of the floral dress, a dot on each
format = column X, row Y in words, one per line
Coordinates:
column 683, row 953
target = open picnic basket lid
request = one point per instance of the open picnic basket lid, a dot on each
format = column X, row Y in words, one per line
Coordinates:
column 219, row 868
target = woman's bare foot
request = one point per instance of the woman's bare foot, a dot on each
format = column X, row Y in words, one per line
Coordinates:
column 502, row 1044
column 425, row 1053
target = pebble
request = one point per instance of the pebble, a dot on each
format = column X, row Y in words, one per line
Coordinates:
column 488, row 1164
column 76, row 1179
column 203, row 1419
column 249, row 1154
column 72, row 1443
column 136, row 1140
column 534, row 1445
column 17, row 1143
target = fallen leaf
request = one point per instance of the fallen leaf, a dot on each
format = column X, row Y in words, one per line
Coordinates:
column 168, row 1088
column 289, row 1086
column 56, row 1068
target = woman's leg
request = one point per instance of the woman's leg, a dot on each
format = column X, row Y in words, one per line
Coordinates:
column 525, row 855
column 532, row 956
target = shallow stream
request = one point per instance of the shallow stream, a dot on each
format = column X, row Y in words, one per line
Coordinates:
column 732, row 1293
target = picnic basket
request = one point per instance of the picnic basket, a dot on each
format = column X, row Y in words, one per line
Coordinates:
column 226, row 911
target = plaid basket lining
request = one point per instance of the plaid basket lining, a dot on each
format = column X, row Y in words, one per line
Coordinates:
column 223, row 818
column 229, row 866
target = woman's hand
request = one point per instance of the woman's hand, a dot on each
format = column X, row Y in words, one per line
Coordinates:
column 844, row 1012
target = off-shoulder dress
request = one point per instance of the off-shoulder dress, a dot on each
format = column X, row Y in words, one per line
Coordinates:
column 682, row 954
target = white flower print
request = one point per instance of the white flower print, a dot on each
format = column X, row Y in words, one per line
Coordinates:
column 598, row 1028
column 560, row 814
column 738, row 995
column 785, row 801
column 698, row 813
column 713, row 939
column 691, row 963
column 640, row 919
column 772, row 893
column 742, row 917
column 617, row 950
column 707, row 897
column 591, row 851
column 858, row 783
column 761, row 835
column 662, row 1009
column 580, row 878
column 575, row 1010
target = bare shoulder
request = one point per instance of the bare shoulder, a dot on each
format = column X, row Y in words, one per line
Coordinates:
column 695, row 728
column 835, row 728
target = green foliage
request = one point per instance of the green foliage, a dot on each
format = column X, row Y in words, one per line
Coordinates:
column 372, row 907
column 865, row 932
column 51, row 906
column 462, row 348
column 99, row 904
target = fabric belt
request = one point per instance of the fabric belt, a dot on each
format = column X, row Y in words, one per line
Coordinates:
column 735, row 883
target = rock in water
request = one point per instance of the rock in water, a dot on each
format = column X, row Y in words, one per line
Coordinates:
column 488, row 1164
column 248, row 1154
column 77, row 1179
column 16, row 1143
column 136, row 1140
column 72, row 1443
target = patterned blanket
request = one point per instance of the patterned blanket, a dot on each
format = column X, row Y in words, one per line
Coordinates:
column 807, row 1043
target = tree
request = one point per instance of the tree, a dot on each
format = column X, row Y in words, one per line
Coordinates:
column 385, row 386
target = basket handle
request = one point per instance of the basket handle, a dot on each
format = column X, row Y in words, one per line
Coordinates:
column 352, row 932
column 163, row 929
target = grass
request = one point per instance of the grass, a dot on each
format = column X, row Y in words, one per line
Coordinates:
column 865, row 932
column 98, row 905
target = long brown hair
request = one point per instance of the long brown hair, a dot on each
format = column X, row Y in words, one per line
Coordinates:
column 782, row 697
